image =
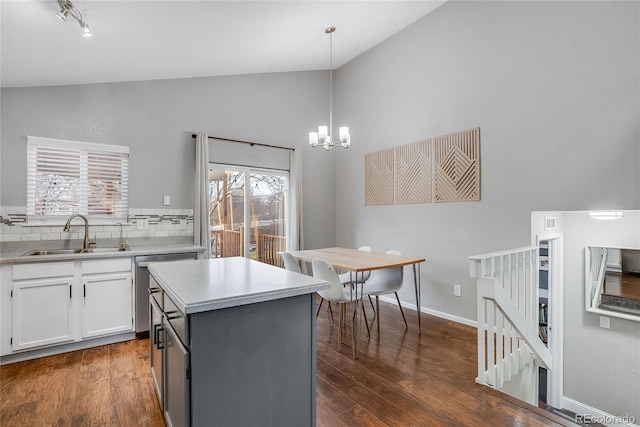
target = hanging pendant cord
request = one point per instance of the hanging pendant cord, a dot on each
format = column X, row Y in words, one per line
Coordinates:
column 330, row 30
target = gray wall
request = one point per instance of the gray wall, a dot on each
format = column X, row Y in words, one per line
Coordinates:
column 554, row 88
column 156, row 119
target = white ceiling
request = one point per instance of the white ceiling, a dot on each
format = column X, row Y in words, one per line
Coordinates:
column 148, row 40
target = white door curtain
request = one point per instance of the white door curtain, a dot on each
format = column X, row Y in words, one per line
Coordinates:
column 201, row 235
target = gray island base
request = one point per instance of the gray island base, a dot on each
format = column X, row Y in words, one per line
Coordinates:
column 233, row 343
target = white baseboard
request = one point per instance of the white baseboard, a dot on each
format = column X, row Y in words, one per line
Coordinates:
column 58, row 349
column 588, row 415
column 441, row 314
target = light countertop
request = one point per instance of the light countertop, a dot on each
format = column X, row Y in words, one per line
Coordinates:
column 18, row 257
column 211, row 284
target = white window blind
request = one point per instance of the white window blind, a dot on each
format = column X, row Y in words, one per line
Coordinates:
column 70, row 177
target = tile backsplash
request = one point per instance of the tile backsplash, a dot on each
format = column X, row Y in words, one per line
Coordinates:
column 15, row 226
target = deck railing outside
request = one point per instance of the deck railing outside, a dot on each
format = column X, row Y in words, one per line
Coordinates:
column 268, row 248
column 227, row 243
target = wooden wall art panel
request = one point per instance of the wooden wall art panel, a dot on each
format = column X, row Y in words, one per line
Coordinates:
column 413, row 173
column 457, row 166
column 378, row 178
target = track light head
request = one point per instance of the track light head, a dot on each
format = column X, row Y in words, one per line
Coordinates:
column 86, row 32
column 62, row 14
column 67, row 8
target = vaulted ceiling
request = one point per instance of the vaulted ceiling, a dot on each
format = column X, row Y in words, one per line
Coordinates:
column 148, row 40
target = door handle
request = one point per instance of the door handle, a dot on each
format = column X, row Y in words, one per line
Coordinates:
column 155, row 334
column 168, row 315
column 159, row 343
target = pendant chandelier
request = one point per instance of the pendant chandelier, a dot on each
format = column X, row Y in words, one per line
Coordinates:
column 323, row 135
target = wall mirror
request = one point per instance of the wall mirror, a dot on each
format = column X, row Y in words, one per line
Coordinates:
column 612, row 281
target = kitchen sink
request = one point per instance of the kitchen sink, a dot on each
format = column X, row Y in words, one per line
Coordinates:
column 73, row 251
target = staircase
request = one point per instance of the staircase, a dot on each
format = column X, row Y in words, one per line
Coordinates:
column 510, row 350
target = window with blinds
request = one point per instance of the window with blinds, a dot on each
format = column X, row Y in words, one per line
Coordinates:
column 70, row 177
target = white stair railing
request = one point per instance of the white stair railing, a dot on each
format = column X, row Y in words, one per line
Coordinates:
column 508, row 326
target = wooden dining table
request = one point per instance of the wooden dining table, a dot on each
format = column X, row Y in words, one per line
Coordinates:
column 358, row 262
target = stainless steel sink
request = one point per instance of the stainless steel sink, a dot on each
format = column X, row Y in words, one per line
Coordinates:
column 73, row 251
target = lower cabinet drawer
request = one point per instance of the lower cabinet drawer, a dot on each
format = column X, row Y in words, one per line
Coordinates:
column 43, row 270
column 106, row 265
column 176, row 319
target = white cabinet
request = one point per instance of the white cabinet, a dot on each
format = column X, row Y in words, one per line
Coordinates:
column 42, row 305
column 107, row 297
column 106, row 304
column 42, row 313
column 55, row 303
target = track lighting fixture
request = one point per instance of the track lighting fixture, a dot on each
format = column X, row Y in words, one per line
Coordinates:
column 67, row 8
column 62, row 14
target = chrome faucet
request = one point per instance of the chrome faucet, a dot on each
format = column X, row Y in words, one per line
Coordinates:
column 86, row 243
column 122, row 244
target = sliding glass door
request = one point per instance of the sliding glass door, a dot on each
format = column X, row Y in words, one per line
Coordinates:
column 247, row 212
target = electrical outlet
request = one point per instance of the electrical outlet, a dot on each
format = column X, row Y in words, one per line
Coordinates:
column 605, row 322
column 142, row 224
column 166, row 200
column 457, row 290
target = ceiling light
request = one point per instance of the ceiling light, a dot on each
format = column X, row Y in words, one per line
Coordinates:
column 323, row 136
column 85, row 29
column 62, row 14
column 67, row 8
column 606, row 215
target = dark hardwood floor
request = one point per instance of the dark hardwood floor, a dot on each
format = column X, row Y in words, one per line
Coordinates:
column 102, row 386
column 622, row 285
column 402, row 379
column 410, row 379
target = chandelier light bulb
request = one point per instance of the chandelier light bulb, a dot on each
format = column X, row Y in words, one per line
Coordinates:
column 344, row 133
column 323, row 132
column 313, row 139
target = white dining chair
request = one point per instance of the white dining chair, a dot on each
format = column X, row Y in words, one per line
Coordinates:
column 292, row 264
column 336, row 293
column 385, row 281
column 349, row 278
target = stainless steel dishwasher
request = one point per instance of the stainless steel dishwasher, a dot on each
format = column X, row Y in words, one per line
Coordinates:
column 142, row 286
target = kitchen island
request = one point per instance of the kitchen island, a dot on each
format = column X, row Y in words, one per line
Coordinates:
column 233, row 343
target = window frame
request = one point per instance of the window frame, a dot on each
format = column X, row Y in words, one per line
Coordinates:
column 84, row 150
